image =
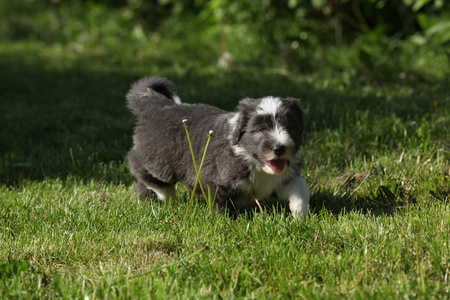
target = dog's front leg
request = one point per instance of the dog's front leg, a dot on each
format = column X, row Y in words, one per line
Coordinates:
column 224, row 201
column 297, row 193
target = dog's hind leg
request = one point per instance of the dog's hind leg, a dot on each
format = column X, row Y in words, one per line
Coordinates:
column 164, row 193
column 143, row 192
column 149, row 186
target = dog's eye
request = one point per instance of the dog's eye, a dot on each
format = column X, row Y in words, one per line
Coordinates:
column 259, row 129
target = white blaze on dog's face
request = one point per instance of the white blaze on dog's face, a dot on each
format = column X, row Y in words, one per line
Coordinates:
column 268, row 132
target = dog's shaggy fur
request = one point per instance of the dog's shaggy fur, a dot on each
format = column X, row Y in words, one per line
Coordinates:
column 255, row 152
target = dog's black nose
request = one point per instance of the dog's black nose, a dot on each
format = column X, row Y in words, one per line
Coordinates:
column 279, row 150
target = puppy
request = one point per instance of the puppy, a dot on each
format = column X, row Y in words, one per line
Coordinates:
column 256, row 152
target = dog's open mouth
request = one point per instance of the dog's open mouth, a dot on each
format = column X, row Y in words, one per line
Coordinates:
column 277, row 165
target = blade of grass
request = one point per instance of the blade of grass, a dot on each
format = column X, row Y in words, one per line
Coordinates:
column 205, row 247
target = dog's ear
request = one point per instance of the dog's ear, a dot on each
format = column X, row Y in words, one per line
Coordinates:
column 245, row 108
column 238, row 130
column 298, row 112
column 294, row 105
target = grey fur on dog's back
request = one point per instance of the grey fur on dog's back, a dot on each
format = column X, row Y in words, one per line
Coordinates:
column 161, row 157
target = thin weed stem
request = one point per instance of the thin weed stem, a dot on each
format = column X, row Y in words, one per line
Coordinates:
column 193, row 156
column 197, row 171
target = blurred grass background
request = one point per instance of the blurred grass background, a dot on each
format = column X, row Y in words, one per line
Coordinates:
column 385, row 37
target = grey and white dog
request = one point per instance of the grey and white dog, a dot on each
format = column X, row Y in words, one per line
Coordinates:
column 256, row 152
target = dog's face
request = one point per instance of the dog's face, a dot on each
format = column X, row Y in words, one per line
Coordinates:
column 267, row 132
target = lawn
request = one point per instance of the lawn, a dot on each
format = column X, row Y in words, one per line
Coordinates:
column 377, row 163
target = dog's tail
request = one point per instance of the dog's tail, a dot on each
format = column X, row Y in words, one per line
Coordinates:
column 151, row 92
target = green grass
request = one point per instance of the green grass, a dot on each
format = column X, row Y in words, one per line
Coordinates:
column 69, row 227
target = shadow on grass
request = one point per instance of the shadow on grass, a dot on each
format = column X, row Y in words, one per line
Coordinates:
column 335, row 205
column 338, row 205
column 322, row 200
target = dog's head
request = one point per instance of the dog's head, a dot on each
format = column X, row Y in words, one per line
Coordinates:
column 267, row 132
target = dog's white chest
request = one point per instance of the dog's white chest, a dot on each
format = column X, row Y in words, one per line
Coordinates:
column 264, row 185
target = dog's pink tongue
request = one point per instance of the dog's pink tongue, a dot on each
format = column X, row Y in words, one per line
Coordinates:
column 277, row 165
